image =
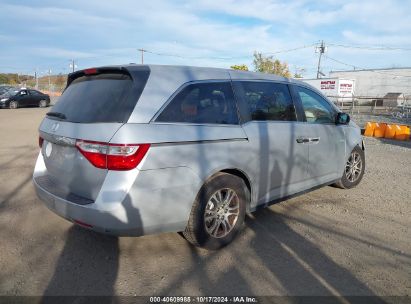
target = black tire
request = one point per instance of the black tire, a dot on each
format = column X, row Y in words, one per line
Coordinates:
column 196, row 232
column 42, row 103
column 13, row 104
column 345, row 182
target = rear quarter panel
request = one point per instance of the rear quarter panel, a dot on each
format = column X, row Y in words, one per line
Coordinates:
column 198, row 151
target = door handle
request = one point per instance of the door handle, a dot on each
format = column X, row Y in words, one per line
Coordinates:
column 314, row 139
column 302, row 140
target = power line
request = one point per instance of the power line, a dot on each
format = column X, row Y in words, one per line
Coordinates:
column 195, row 57
column 291, row 50
column 340, row 62
column 73, row 65
column 362, row 68
column 229, row 57
column 372, row 48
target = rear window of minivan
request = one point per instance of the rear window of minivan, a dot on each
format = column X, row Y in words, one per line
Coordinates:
column 106, row 97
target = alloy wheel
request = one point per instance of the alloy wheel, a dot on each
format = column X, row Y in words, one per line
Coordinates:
column 221, row 212
column 353, row 167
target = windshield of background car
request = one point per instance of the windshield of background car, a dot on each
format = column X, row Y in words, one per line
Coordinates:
column 10, row 92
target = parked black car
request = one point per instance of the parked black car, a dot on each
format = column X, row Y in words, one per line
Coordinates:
column 17, row 98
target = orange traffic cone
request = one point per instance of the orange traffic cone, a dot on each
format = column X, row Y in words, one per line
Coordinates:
column 369, row 129
column 402, row 132
column 380, row 129
column 390, row 131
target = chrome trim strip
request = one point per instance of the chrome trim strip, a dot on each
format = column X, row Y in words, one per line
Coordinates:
column 206, row 141
column 57, row 139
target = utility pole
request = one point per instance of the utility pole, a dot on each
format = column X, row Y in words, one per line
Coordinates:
column 321, row 50
column 72, row 65
column 37, row 79
column 142, row 54
column 49, row 72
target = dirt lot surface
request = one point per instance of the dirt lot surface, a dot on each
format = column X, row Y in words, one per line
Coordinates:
column 327, row 242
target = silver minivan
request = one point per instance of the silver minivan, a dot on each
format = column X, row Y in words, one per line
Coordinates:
column 140, row 149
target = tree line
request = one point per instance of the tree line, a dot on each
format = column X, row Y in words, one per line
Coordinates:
column 57, row 82
column 267, row 64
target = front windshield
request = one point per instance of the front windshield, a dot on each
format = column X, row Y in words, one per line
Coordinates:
column 10, row 92
column 4, row 89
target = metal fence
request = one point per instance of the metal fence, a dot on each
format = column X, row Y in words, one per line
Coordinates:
column 373, row 105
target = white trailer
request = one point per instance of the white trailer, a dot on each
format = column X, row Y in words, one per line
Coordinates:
column 340, row 91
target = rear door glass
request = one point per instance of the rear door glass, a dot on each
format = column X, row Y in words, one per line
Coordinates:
column 265, row 101
column 208, row 103
column 99, row 98
column 34, row 93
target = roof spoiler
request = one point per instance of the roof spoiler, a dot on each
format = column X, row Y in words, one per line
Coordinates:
column 94, row 71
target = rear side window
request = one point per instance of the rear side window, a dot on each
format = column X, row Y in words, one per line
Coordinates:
column 211, row 103
column 265, row 101
column 106, row 97
column 32, row 92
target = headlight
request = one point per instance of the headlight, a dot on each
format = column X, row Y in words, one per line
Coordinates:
column 4, row 99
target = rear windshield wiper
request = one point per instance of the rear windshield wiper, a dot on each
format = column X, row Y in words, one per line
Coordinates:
column 57, row 114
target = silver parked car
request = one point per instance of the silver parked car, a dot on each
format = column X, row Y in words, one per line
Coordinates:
column 141, row 149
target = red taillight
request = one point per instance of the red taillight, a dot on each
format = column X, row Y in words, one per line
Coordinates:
column 125, row 157
column 41, row 139
column 90, row 71
column 80, row 223
column 95, row 152
column 112, row 156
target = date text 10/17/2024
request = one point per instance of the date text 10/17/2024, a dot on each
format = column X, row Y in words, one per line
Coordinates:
column 203, row 299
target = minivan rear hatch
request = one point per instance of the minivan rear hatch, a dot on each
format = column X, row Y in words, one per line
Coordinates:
column 94, row 105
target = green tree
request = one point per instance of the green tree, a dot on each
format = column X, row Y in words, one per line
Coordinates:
column 8, row 78
column 298, row 75
column 241, row 67
column 3, row 79
column 270, row 65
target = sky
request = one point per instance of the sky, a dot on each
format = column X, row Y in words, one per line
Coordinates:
column 47, row 34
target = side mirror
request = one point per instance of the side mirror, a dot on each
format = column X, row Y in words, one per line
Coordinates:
column 342, row 118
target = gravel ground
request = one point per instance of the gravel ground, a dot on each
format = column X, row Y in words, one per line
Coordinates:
column 327, row 242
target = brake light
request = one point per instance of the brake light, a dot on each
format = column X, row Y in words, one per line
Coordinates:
column 112, row 156
column 41, row 139
column 80, row 223
column 90, row 71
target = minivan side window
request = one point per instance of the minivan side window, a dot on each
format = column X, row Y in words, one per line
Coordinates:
column 210, row 103
column 316, row 109
column 264, row 100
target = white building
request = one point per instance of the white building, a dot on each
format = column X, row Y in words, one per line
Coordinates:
column 378, row 83
column 337, row 89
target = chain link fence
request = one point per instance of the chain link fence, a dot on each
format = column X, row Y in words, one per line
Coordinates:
column 379, row 109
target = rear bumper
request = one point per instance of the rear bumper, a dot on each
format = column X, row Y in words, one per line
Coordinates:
column 131, row 203
column 100, row 221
